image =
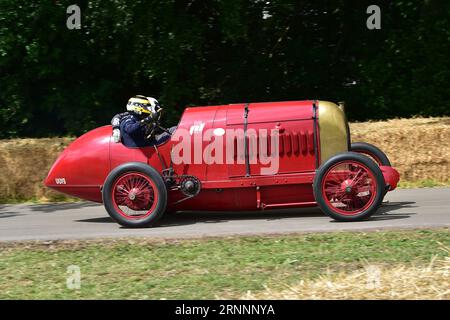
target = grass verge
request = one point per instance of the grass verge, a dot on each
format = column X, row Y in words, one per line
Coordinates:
column 209, row 268
column 425, row 183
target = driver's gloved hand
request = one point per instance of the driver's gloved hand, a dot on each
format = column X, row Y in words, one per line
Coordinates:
column 116, row 135
column 147, row 120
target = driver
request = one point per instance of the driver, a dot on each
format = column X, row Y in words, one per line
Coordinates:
column 137, row 126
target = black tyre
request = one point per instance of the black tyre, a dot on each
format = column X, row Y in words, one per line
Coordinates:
column 135, row 195
column 349, row 187
column 371, row 151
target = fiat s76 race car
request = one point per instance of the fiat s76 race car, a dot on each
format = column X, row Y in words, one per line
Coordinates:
column 249, row 156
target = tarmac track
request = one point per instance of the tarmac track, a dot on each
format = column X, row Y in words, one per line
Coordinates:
column 402, row 209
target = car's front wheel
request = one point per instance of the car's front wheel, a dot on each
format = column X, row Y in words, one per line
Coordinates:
column 135, row 195
column 349, row 187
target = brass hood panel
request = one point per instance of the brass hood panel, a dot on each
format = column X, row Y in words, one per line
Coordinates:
column 333, row 130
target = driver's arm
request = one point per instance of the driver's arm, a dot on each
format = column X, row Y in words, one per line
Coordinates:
column 115, row 121
column 132, row 127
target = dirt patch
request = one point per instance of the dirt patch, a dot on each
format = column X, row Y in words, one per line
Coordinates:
column 419, row 148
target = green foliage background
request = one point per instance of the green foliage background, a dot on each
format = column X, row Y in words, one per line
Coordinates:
column 56, row 81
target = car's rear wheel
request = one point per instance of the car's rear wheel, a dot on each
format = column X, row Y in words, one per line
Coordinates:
column 373, row 152
column 349, row 187
column 134, row 195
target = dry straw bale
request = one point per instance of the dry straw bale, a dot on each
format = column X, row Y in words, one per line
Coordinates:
column 419, row 148
column 25, row 164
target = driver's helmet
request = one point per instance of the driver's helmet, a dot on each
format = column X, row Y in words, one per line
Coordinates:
column 143, row 106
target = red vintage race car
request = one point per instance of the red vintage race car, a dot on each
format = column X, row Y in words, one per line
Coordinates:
column 250, row 156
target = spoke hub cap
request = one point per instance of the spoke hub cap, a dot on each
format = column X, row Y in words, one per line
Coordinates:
column 132, row 194
column 347, row 187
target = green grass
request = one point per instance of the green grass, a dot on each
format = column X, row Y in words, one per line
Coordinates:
column 426, row 183
column 201, row 269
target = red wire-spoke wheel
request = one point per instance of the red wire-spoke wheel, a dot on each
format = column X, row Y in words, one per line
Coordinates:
column 349, row 187
column 135, row 195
